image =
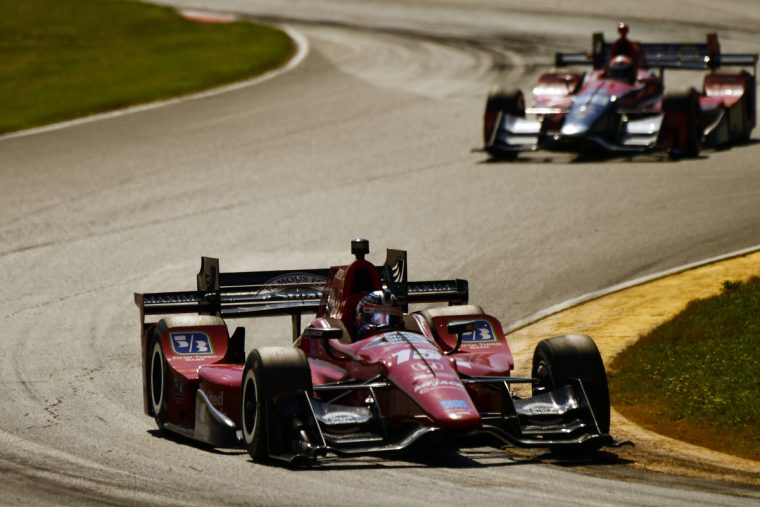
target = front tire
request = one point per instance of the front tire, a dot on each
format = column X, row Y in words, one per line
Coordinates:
column 268, row 373
column 558, row 360
column 501, row 101
column 682, row 109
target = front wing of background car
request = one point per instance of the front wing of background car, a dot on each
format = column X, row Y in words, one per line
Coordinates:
column 514, row 134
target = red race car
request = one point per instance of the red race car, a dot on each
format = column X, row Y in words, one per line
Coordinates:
column 620, row 105
column 366, row 375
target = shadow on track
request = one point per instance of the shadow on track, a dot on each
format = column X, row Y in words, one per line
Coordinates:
column 452, row 458
column 424, row 457
column 601, row 156
column 179, row 439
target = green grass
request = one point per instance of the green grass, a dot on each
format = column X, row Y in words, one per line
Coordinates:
column 61, row 59
column 695, row 377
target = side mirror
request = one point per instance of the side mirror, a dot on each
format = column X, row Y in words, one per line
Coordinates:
column 458, row 328
column 325, row 335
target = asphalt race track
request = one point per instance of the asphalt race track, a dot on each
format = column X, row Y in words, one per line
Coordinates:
column 370, row 136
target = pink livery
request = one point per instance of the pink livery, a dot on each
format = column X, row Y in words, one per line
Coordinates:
column 368, row 375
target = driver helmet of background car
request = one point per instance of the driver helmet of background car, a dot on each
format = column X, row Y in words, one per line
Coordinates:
column 622, row 69
column 378, row 311
column 622, row 30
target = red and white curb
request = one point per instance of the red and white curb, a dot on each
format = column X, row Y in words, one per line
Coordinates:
column 207, row 17
column 302, row 50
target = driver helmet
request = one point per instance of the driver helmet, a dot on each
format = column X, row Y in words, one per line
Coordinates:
column 377, row 311
column 622, row 68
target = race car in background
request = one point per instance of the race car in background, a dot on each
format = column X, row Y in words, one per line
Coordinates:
column 620, row 105
column 367, row 375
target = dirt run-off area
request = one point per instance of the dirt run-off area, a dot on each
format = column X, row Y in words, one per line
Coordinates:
column 616, row 321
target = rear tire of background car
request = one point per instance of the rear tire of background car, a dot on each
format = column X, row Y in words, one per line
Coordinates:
column 506, row 101
column 684, row 103
column 501, row 101
column 559, row 359
column 745, row 133
column 748, row 104
column 268, row 372
column 158, row 374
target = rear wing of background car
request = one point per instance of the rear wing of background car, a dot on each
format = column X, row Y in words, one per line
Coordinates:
column 686, row 56
column 282, row 293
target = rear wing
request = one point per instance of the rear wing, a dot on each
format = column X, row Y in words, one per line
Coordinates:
column 241, row 294
column 394, row 275
column 685, row 56
column 280, row 293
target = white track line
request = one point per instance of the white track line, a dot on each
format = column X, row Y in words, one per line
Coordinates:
column 302, row 49
column 560, row 307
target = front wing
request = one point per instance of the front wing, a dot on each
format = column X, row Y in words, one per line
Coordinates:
column 300, row 428
column 514, row 134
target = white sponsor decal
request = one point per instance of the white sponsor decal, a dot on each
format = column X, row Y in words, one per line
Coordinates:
column 542, row 409
column 427, row 366
column 342, row 418
column 196, row 358
column 405, row 355
column 398, row 337
column 472, row 346
column 436, row 384
column 293, row 285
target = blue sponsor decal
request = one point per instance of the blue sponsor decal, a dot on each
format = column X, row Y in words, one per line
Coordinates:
column 191, row 343
column 483, row 333
column 451, row 404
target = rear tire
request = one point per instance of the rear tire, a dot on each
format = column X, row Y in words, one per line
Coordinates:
column 684, row 105
column 559, row 359
column 158, row 374
column 268, row 372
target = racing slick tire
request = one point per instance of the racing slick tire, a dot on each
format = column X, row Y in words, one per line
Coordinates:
column 268, row 372
column 746, row 109
column 750, row 103
column 501, row 101
column 559, row 359
column 158, row 374
column 682, row 112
